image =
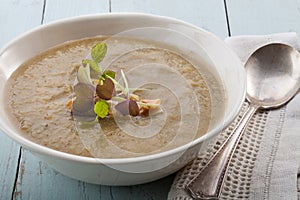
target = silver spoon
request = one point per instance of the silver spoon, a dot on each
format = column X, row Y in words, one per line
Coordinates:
column 273, row 78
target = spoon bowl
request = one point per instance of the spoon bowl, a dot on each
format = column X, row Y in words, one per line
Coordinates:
column 273, row 73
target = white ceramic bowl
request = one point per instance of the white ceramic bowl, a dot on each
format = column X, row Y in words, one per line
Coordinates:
column 125, row 171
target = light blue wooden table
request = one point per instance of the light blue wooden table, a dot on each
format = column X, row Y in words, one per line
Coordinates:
column 22, row 176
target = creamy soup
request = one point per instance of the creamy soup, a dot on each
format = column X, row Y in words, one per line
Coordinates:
column 39, row 90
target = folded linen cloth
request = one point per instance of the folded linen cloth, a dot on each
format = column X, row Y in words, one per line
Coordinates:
column 266, row 163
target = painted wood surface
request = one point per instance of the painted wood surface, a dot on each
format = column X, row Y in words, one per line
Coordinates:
column 18, row 16
column 209, row 15
column 8, row 165
column 263, row 16
column 35, row 180
column 58, row 9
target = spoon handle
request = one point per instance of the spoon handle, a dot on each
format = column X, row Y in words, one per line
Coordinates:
column 207, row 184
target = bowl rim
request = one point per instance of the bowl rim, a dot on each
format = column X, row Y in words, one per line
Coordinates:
column 37, row 148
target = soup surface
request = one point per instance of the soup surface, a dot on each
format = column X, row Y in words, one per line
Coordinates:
column 39, row 89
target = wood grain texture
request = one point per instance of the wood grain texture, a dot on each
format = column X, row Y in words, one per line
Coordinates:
column 57, row 9
column 38, row 181
column 16, row 17
column 209, row 15
column 8, row 164
column 263, row 17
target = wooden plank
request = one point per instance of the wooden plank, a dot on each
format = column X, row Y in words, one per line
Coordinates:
column 209, row 15
column 8, row 165
column 15, row 18
column 263, row 17
column 57, row 9
column 38, row 181
column 157, row 190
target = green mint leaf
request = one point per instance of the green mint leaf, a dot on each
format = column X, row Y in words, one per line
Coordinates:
column 92, row 64
column 109, row 73
column 99, row 51
column 101, row 108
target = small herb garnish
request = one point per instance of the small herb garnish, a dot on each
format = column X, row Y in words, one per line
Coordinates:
column 99, row 51
column 83, row 105
column 97, row 54
column 105, row 89
column 95, row 98
column 109, row 73
column 101, row 108
column 128, row 107
column 92, row 64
